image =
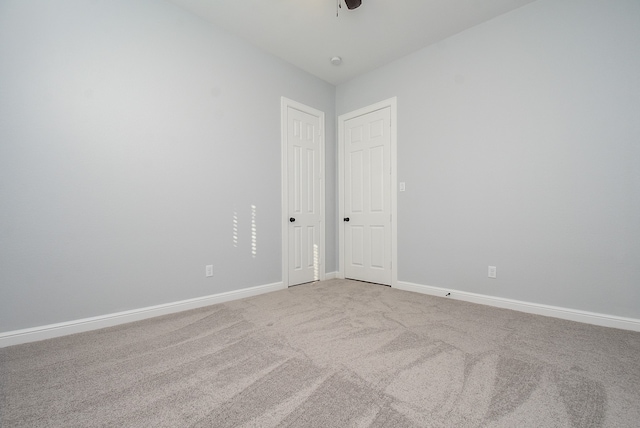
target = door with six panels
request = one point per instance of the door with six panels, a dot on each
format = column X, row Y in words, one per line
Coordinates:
column 367, row 197
column 304, row 188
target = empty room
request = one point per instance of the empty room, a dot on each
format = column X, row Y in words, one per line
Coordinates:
column 320, row 213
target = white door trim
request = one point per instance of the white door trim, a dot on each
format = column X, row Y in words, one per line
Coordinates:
column 392, row 104
column 285, row 104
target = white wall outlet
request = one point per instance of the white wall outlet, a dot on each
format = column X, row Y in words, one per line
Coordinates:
column 492, row 271
column 208, row 270
column 402, row 186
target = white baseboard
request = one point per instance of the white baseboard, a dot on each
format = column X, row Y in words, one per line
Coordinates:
column 330, row 275
column 17, row 337
column 531, row 308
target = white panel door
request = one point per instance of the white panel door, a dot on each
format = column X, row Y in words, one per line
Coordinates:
column 367, row 197
column 304, row 192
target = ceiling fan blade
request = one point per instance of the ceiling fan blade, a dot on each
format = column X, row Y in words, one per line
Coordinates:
column 352, row 4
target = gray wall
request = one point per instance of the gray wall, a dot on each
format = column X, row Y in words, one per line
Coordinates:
column 519, row 141
column 130, row 134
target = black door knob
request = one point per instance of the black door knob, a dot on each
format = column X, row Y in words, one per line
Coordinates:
column 292, row 219
column 346, row 219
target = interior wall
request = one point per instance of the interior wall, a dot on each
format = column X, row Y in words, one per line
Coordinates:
column 133, row 137
column 519, row 142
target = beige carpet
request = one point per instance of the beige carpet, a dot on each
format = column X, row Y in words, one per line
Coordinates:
column 331, row 354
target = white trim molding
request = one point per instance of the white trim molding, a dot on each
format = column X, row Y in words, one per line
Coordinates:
column 530, row 308
column 50, row 331
column 330, row 275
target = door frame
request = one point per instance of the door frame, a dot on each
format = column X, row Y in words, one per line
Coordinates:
column 285, row 104
column 391, row 103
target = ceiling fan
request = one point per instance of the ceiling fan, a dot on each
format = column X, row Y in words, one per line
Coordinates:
column 351, row 4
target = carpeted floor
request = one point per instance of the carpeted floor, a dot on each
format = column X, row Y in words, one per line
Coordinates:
column 331, row 354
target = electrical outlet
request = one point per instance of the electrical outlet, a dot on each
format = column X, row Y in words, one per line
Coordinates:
column 208, row 271
column 492, row 271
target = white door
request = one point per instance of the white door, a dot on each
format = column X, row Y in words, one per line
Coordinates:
column 304, row 208
column 367, row 197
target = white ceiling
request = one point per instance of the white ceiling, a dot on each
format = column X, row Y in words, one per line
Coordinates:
column 307, row 33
